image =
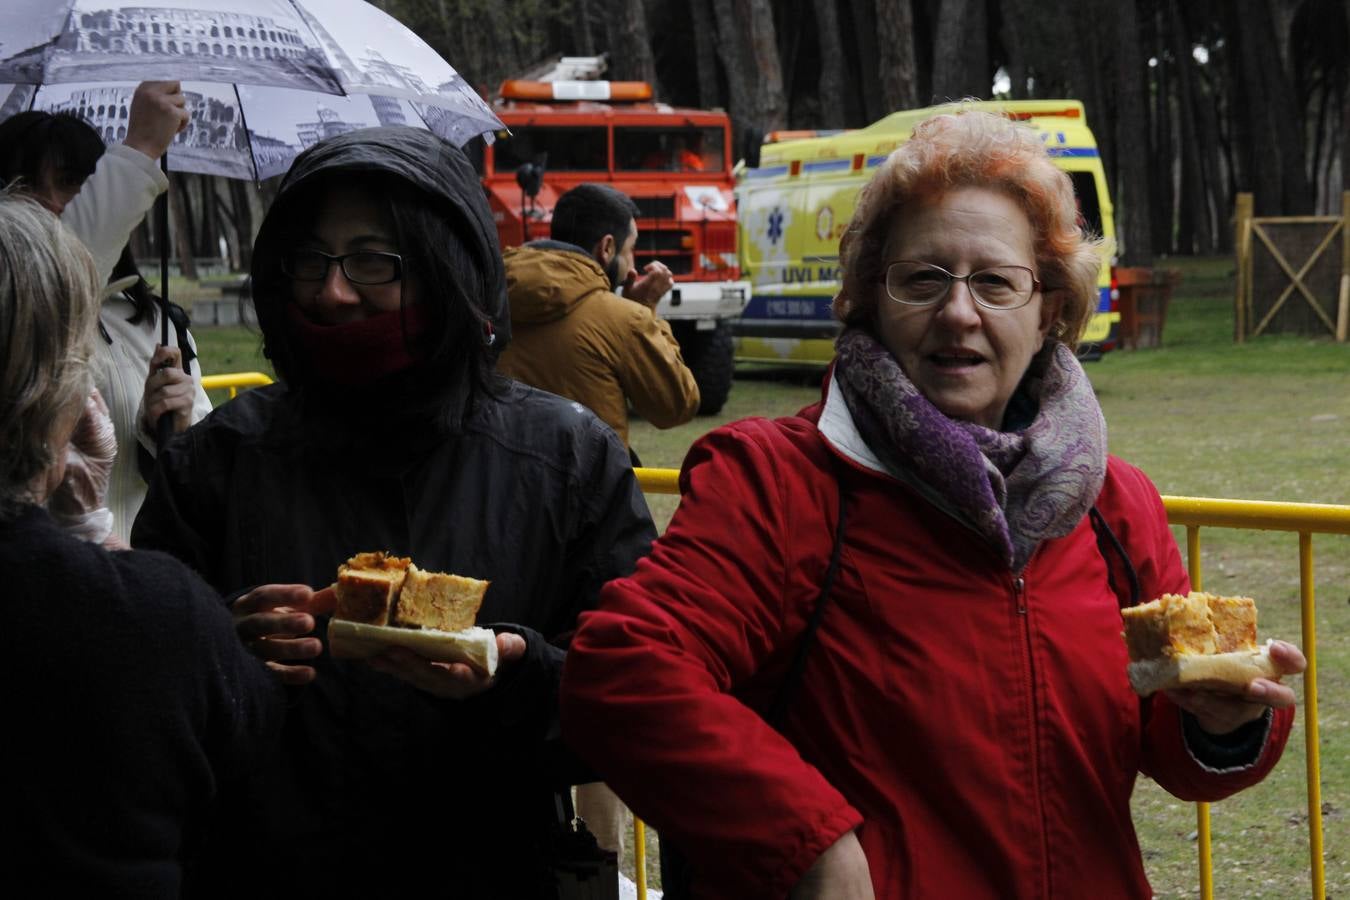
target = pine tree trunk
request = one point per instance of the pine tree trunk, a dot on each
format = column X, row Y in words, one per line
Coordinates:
column 741, row 100
column 1194, row 234
column 1162, row 150
column 895, row 52
column 631, row 52
column 209, row 232
column 961, row 51
column 180, row 229
column 243, row 223
column 1132, row 194
column 770, row 99
column 705, row 54
column 864, row 14
column 832, row 101
column 1285, row 110
column 581, row 28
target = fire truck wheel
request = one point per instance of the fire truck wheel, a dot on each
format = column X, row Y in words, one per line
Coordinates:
column 709, row 355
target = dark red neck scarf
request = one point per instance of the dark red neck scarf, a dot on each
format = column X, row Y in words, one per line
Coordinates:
column 361, row 352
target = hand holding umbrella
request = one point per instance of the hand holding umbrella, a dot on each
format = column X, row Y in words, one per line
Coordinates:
column 158, row 113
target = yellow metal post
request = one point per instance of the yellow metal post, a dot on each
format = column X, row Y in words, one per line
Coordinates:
column 640, row 857
column 1305, row 587
column 1202, row 831
column 1343, row 299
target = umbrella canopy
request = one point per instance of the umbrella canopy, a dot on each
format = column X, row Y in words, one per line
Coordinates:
column 328, row 46
column 247, row 131
column 252, row 69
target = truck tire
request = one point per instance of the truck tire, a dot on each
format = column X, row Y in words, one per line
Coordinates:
column 709, row 356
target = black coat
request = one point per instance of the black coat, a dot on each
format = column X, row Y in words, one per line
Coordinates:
column 535, row 494
column 131, row 712
column 380, row 788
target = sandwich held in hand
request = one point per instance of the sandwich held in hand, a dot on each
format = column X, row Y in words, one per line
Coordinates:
column 1196, row 641
column 385, row 600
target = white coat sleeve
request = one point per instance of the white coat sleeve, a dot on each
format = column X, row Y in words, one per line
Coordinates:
column 112, row 202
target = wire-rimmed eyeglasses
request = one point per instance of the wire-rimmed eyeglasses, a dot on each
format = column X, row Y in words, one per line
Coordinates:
column 361, row 267
column 916, row 283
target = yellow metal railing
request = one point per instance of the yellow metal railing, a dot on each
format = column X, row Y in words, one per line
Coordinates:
column 1304, row 519
column 1194, row 513
column 234, row 381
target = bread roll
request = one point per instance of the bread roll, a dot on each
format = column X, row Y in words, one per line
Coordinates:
column 385, row 600
column 1197, row 641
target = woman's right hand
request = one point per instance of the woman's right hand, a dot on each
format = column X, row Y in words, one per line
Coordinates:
column 168, row 389
column 274, row 622
column 840, row 873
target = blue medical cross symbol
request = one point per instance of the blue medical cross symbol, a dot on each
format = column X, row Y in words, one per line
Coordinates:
column 775, row 225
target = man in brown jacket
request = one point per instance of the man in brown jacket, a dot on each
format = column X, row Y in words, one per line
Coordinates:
column 572, row 335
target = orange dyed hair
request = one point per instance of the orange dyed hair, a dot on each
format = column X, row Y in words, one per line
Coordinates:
column 973, row 149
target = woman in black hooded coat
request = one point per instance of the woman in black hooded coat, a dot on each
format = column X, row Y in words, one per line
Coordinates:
column 379, row 290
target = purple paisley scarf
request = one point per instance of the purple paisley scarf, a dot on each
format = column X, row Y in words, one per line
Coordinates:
column 1014, row 488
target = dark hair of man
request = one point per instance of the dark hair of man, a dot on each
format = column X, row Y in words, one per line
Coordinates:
column 454, row 357
column 588, row 212
column 34, row 142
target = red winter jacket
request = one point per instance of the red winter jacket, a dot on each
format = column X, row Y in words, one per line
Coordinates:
column 977, row 728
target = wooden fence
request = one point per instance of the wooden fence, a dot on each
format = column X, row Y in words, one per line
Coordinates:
column 1290, row 279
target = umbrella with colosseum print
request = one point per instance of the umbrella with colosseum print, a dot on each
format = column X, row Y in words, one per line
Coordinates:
column 225, row 51
column 340, row 47
column 243, row 131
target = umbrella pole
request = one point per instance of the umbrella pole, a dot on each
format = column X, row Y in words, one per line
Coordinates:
column 162, row 214
column 164, row 425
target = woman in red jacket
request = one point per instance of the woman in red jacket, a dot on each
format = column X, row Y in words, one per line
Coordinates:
column 961, row 724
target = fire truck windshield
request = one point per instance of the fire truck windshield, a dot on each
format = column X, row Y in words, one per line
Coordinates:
column 568, row 149
column 668, row 149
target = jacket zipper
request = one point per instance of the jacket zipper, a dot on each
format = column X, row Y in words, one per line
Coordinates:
column 1020, row 599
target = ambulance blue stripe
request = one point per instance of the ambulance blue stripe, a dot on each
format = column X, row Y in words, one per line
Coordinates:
column 827, row 165
column 875, row 161
column 1104, row 300
column 779, row 306
column 770, row 172
column 1072, row 151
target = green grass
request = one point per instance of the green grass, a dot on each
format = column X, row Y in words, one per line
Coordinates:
column 1268, row 420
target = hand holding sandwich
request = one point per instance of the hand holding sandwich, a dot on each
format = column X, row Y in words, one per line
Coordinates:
column 1220, row 712
column 275, row 622
column 451, row 681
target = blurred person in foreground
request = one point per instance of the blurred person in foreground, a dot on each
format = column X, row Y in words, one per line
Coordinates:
column 379, row 290
column 132, row 710
column 102, row 194
column 962, row 724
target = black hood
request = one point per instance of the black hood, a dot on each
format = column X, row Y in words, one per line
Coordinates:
column 429, row 165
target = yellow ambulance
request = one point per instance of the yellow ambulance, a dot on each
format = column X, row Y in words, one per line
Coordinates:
column 794, row 206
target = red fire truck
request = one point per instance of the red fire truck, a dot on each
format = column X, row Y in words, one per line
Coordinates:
column 676, row 166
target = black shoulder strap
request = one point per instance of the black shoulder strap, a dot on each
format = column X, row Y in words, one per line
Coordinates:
column 1110, row 546
column 794, row 675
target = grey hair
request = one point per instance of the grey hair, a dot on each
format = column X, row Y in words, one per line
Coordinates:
column 49, row 301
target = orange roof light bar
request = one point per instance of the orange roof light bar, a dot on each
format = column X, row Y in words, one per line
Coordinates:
column 1071, row 112
column 790, row 134
column 549, row 91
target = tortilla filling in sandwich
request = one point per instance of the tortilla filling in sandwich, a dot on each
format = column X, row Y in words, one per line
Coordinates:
column 385, row 600
column 1196, row 641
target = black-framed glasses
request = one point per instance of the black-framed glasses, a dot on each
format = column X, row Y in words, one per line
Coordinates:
column 361, row 267
column 924, row 284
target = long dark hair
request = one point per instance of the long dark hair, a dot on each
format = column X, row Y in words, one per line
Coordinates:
column 456, row 351
column 143, row 299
